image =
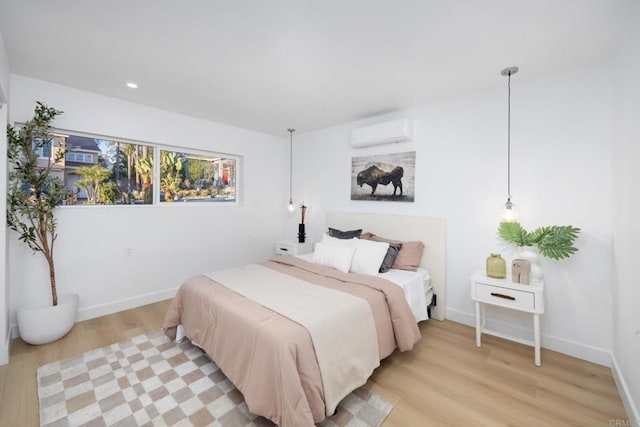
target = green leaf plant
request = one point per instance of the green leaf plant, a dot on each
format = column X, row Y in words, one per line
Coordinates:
column 33, row 189
column 555, row 242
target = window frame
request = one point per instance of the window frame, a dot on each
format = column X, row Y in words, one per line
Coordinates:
column 41, row 151
column 157, row 148
column 76, row 154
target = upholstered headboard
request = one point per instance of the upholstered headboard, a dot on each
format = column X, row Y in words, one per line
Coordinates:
column 431, row 231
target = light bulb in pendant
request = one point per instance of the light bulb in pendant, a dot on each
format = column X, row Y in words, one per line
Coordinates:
column 509, row 212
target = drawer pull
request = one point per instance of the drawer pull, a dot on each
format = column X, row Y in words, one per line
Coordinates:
column 284, row 249
column 509, row 297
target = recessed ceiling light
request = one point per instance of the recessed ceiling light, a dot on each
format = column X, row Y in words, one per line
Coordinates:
column 132, row 85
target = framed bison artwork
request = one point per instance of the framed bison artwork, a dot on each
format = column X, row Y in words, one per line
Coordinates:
column 384, row 177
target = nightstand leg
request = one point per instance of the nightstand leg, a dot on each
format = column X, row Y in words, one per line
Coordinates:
column 536, row 337
column 478, row 325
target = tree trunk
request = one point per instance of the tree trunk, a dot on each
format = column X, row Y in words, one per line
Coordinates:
column 52, row 278
column 129, row 167
column 116, row 167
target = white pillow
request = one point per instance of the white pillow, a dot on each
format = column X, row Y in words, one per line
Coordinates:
column 368, row 257
column 338, row 257
column 326, row 239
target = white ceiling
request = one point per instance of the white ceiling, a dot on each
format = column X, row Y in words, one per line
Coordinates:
column 268, row 65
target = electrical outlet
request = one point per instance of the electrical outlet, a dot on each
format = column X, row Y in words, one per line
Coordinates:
column 128, row 252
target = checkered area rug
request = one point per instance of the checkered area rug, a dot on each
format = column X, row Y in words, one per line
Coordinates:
column 149, row 380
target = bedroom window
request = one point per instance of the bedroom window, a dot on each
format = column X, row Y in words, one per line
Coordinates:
column 188, row 176
column 103, row 171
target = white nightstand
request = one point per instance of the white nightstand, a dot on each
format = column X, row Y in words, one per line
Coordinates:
column 504, row 293
column 292, row 247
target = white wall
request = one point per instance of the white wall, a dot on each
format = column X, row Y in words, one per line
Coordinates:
column 4, row 290
column 169, row 243
column 626, row 69
column 561, row 174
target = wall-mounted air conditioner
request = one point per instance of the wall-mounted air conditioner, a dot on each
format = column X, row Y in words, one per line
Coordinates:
column 383, row 133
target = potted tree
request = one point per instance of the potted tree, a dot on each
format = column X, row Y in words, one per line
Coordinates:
column 33, row 195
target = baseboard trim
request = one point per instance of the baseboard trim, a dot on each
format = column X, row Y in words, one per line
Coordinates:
column 6, row 350
column 461, row 317
column 625, row 394
column 575, row 349
column 561, row 345
column 13, row 331
column 124, row 304
column 115, row 306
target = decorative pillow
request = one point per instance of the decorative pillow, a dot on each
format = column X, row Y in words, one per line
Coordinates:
column 409, row 255
column 338, row 257
column 390, row 257
column 335, row 241
column 376, row 238
column 368, row 256
column 366, row 235
column 339, row 234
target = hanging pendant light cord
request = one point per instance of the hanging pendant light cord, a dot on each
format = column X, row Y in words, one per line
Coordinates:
column 509, row 139
column 291, row 164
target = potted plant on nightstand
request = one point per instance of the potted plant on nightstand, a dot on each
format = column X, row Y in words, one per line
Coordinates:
column 34, row 193
column 555, row 242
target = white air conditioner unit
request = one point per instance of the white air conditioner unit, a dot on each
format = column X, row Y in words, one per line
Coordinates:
column 383, row 133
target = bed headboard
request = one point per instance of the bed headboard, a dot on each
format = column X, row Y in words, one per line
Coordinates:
column 431, row 231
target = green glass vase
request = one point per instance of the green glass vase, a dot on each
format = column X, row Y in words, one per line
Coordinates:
column 496, row 266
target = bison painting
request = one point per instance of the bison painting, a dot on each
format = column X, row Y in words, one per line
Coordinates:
column 374, row 176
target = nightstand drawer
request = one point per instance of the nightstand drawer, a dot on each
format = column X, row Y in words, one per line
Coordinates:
column 505, row 297
column 285, row 247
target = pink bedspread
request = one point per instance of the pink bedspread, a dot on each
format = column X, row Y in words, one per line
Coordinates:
column 270, row 358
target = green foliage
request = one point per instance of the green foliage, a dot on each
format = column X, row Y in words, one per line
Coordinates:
column 196, row 169
column 144, row 167
column 109, row 193
column 170, row 171
column 554, row 241
column 513, row 232
column 92, row 179
column 33, row 190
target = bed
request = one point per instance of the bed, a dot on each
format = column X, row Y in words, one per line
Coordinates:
column 431, row 231
column 292, row 374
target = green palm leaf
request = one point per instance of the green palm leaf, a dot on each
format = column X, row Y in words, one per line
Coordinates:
column 555, row 242
column 513, row 232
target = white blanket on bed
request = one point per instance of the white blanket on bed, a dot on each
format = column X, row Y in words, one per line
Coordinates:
column 341, row 325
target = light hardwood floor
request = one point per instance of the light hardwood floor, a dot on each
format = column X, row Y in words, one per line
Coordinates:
column 445, row 380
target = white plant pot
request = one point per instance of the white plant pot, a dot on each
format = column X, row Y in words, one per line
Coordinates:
column 43, row 323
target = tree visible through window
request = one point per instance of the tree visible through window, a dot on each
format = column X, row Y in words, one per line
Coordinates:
column 107, row 172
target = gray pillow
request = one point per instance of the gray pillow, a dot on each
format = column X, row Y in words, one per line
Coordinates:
column 390, row 257
column 339, row 234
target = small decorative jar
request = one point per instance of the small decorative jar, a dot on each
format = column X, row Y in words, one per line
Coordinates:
column 496, row 266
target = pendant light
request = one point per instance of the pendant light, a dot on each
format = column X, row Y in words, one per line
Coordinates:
column 291, row 206
column 510, row 212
